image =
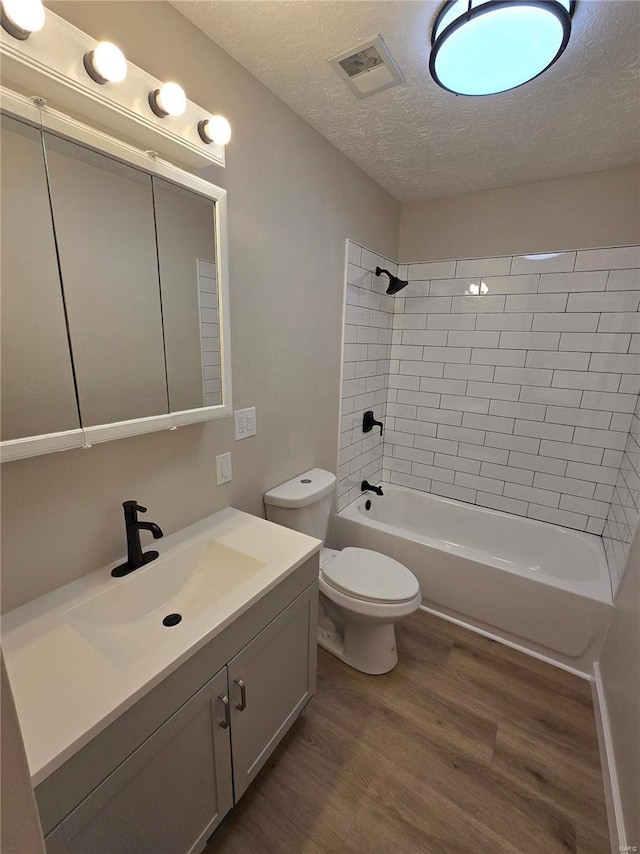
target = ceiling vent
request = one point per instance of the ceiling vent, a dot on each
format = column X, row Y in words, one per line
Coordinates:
column 367, row 68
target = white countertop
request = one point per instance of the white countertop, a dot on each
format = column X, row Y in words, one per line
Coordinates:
column 67, row 690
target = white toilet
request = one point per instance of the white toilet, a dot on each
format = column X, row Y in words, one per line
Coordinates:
column 362, row 592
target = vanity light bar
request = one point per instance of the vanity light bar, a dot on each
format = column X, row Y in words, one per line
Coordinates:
column 104, row 63
column 20, row 18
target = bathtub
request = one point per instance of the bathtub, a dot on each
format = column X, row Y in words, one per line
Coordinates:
column 536, row 586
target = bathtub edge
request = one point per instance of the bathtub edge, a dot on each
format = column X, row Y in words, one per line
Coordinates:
column 525, row 650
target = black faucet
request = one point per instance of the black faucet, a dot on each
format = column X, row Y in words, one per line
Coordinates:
column 365, row 486
column 369, row 422
column 135, row 556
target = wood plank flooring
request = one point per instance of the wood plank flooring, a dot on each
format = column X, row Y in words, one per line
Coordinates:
column 467, row 746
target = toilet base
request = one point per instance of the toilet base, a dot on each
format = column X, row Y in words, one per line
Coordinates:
column 367, row 647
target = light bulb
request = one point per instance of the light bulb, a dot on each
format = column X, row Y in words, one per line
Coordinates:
column 20, row 18
column 216, row 129
column 106, row 63
column 169, row 100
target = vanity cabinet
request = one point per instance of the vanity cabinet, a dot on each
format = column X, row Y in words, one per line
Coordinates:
column 270, row 682
column 168, row 796
column 163, row 776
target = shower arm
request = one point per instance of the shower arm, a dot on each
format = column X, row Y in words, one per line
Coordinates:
column 380, row 270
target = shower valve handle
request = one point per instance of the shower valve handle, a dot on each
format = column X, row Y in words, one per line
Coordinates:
column 369, row 422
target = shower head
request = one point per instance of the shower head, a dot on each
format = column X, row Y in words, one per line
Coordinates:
column 395, row 284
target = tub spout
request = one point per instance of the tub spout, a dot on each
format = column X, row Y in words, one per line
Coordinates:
column 365, row 486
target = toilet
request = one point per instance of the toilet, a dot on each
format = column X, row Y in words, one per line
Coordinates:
column 362, row 593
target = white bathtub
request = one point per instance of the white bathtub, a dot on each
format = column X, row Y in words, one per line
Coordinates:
column 535, row 585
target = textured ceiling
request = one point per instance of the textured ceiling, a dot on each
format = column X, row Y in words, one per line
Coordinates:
column 418, row 141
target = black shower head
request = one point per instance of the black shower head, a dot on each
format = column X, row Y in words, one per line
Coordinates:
column 395, row 284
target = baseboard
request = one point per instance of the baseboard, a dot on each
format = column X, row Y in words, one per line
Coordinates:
column 617, row 832
column 540, row 656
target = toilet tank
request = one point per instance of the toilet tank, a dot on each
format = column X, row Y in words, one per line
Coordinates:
column 303, row 503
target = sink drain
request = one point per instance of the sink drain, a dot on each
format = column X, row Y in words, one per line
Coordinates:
column 172, row 619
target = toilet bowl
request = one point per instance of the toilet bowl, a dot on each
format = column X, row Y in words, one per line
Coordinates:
column 362, row 593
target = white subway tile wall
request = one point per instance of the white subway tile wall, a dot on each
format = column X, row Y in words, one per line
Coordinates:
column 624, row 509
column 523, row 361
column 209, row 333
column 365, row 370
column 511, row 382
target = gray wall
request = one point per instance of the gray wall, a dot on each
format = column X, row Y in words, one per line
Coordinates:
column 293, row 199
column 620, row 671
column 598, row 209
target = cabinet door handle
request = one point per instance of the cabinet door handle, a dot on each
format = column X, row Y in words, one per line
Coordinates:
column 242, row 705
column 225, row 703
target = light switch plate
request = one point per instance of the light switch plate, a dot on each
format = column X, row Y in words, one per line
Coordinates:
column 223, row 469
column 245, row 422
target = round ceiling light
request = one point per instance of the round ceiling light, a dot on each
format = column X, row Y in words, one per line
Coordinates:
column 216, row 129
column 482, row 47
column 20, row 18
column 106, row 63
column 169, row 100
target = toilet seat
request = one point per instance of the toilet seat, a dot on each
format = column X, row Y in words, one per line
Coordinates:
column 370, row 577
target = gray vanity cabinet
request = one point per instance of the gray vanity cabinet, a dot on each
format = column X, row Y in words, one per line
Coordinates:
column 270, row 682
column 163, row 775
column 170, row 794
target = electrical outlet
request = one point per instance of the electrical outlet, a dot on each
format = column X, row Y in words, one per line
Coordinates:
column 245, row 422
column 223, row 469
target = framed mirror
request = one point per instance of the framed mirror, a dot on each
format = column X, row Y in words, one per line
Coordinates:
column 115, row 300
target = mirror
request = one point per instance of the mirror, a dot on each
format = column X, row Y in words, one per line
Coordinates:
column 103, row 212
column 36, row 376
column 188, row 282
column 114, row 312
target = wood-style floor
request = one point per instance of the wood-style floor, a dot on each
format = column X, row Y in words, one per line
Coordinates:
column 467, row 746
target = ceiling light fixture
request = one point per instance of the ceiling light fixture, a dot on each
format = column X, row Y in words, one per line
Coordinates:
column 106, row 63
column 20, row 18
column 216, row 129
column 169, row 100
column 482, row 47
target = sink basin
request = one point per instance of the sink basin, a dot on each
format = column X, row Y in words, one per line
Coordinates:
column 126, row 620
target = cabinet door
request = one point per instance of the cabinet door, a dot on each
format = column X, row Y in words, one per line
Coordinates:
column 168, row 796
column 105, row 231
column 38, row 394
column 270, row 682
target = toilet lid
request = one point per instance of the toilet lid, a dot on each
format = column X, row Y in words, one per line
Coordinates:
column 371, row 576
